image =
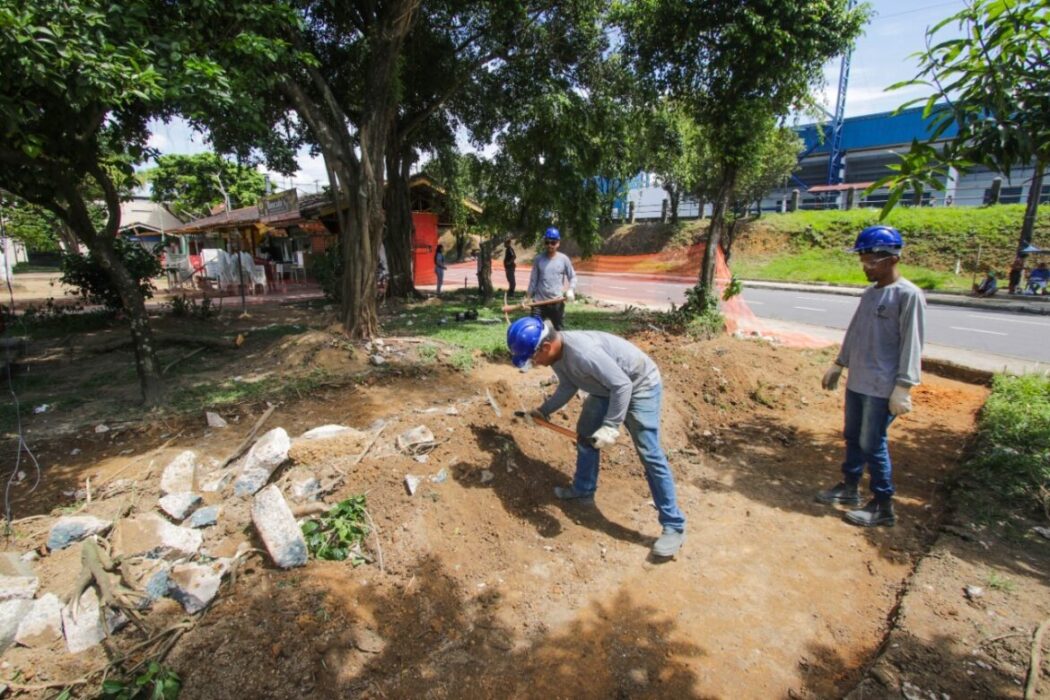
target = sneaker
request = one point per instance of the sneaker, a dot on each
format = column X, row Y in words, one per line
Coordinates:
column 568, row 493
column 668, row 544
column 841, row 493
column 873, row 514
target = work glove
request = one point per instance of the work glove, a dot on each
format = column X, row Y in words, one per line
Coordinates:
column 604, row 437
column 830, row 382
column 900, row 400
column 537, row 413
column 570, row 295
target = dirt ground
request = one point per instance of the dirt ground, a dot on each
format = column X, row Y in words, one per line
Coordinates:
column 491, row 588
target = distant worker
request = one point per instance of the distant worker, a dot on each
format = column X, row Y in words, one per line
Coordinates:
column 1017, row 269
column 623, row 385
column 1038, row 280
column 882, row 351
column 439, row 266
column 510, row 259
column 988, row 287
column 551, row 270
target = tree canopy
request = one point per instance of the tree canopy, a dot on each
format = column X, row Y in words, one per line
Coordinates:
column 194, row 184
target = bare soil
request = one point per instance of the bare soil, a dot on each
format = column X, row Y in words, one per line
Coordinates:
column 492, row 588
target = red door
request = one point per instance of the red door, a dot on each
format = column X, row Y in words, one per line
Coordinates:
column 424, row 243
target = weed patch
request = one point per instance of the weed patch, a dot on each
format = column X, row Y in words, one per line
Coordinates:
column 337, row 535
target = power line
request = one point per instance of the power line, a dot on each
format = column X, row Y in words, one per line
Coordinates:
column 921, row 9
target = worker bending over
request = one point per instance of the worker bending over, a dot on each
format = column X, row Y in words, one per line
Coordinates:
column 882, row 349
column 551, row 271
column 623, row 386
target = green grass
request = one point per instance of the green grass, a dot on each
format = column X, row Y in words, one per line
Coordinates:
column 235, row 391
column 425, row 320
column 1000, row 583
column 1010, row 468
column 277, row 330
column 837, row 267
column 41, row 326
column 22, row 267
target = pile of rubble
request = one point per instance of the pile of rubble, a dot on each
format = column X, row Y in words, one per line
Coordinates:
column 183, row 546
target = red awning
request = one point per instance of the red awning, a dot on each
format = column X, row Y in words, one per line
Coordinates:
column 840, row 188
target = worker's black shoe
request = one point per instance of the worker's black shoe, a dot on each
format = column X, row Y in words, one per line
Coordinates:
column 873, row 514
column 841, row 493
column 568, row 493
column 668, row 544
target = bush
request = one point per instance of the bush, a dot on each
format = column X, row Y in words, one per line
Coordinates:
column 184, row 306
column 93, row 283
column 327, row 269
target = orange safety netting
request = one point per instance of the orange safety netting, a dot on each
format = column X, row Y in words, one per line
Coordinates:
column 686, row 263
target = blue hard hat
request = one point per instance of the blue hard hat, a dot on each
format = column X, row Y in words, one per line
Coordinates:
column 552, row 234
column 878, row 239
column 523, row 339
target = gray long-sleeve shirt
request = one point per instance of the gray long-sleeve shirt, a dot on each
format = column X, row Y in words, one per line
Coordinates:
column 605, row 365
column 548, row 275
column 883, row 344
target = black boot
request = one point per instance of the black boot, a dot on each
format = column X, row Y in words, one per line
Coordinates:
column 873, row 514
column 842, row 493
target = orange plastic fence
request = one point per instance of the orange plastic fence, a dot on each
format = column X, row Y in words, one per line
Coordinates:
column 686, row 263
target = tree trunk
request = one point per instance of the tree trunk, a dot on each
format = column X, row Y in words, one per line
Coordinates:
column 485, row 269
column 714, row 234
column 701, row 204
column 1032, row 207
column 399, row 227
column 673, row 195
column 461, row 243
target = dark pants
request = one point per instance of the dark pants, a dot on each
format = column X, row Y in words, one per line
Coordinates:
column 511, row 282
column 1015, row 279
column 555, row 313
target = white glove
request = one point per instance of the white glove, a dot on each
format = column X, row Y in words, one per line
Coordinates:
column 570, row 295
column 900, row 400
column 830, row 382
column 604, row 437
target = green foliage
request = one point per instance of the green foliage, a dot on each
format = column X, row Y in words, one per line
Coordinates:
column 734, row 288
column 699, row 316
column 94, row 284
column 327, row 269
column 33, row 225
column 1012, row 459
column 337, row 535
column 462, row 360
column 183, row 306
column 155, row 683
column 196, row 183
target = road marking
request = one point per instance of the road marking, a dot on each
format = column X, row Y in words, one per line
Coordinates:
column 754, row 303
column 623, row 288
column 831, row 301
column 1009, row 320
column 976, row 330
column 809, row 308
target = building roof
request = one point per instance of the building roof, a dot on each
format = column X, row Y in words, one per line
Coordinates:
column 145, row 215
column 880, row 130
column 249, row 216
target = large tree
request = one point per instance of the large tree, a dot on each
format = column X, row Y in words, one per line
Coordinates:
column 738, row 68
column 81, row 80
column 194, row 184
column 992, row 83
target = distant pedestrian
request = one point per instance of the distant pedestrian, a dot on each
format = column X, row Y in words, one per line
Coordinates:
column 882, row 350
column 1016, row 272
column 439, row 266
column 988, row 287
column 509, row 263
column 1038, row 279
column 550, row 272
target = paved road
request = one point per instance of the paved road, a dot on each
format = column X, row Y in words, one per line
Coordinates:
column 1002, row 333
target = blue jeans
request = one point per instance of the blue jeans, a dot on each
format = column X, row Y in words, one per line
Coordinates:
column 441, row 278
column 867, row 420
column 643, row 423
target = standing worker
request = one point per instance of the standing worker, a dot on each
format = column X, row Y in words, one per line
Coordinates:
column 623, row 385
column 550, row 271
column 510, row 259
column 882, row 351
column 1017, row 268
column 439, row 266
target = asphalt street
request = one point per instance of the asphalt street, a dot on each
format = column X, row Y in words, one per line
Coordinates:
column 1009, row 333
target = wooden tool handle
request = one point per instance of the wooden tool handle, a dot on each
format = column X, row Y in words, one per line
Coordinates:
column 512, row 307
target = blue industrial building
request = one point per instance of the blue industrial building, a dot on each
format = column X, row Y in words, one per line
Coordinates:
column 869, row 145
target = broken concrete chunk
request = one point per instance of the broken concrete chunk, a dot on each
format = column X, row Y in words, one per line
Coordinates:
column 416, row 440
column 180, row 474
column 411, row 484
column 322, row 432
column 973, row 592
column 70, row 528
column 215, row 420
column 377, row 360
column 278, row 529
column 268, row 453
column 17, row 579
column 12, row 612
column 147, row 576
column 84, row 630
column 204, row 517
column 487, row 476
column 217, row 480
column 179, row 505
column 196, row 585
column 42, row 624
column 307, row 489
column 150, row 535
column 439, row 478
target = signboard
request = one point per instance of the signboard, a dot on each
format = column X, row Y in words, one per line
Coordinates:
column 280, row 203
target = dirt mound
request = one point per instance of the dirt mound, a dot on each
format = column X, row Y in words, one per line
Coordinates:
column 325, row 350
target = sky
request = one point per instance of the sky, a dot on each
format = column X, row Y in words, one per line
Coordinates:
column 883, row 56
